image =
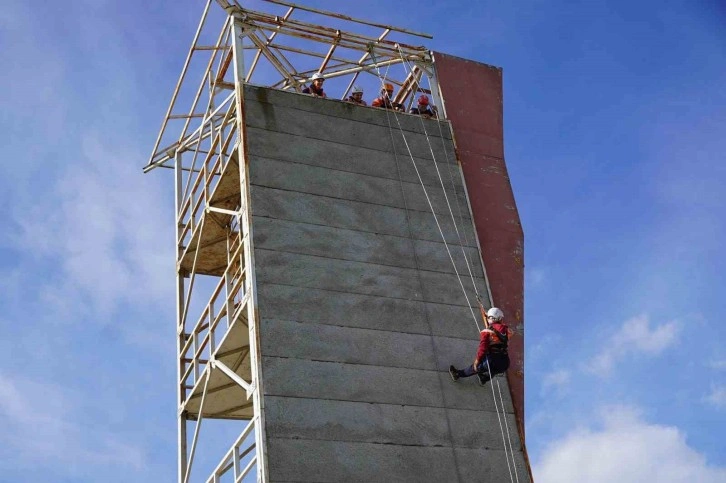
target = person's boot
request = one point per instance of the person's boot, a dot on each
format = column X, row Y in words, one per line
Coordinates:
column 483, row 378
column 454, row 373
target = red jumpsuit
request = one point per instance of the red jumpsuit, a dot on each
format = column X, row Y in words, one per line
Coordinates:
column 492, row 353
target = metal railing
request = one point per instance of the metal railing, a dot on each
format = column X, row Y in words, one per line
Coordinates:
column 241, row 461
column 225, row 305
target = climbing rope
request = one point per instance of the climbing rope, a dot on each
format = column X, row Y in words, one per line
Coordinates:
column 415, row 256
column 493, row 380
column 441, row 181
column 446, row 245
column 428, row 199
column 506, row 425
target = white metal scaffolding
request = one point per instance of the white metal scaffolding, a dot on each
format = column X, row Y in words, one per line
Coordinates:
column 203, row 139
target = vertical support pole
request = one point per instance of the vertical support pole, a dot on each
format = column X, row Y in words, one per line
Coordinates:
column 228, row 303
column 210, row 109
column 430, row 71
column 211, row 330
column 195, row 362
column 181, row 391
column 235, row 461
column 238, row 33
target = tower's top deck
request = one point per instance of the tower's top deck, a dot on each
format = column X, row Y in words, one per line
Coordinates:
column 283, row 49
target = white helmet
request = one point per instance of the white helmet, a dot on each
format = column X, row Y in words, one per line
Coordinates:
column 317, row 76
column 496, row 313
column 357, row 90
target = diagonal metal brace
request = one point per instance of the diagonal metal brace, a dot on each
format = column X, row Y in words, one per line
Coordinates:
column 249, row 388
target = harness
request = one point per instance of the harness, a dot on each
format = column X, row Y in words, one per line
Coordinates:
column 498, row 341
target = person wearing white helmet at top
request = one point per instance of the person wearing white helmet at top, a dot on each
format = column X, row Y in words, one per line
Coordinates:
column 491, row 358
column 356, row 96
column 316, row 86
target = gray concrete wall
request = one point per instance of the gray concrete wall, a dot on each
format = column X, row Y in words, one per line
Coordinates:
column 361, row 312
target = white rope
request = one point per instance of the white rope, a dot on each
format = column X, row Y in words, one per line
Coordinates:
column 433, row 212
column 438, row 173
column 499, row 418
column 443, row 144
column 428, row 199
column 415, row 256
column 506, row 425
column 433, row 156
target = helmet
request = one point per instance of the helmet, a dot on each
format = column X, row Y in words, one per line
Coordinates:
column 496, row 313
column 317, row 76
column 357, row 90
column 388, row 86
column 423, row 100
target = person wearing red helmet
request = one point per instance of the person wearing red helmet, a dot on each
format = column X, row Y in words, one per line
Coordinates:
column 423, row 108
column 385, row 100
column 491, row 358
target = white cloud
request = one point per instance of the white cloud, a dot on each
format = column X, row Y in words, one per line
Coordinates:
column 633, row 336
column 40, row 423
column 110, row 229
column 557, row 380
column 540, row 350
column 625, row 449
column 603, row 363
column 718, row 364
column 30, row 57
column 536, row 277
column 651, row 341
column 717, row 396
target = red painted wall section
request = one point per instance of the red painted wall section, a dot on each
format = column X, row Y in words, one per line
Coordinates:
column 472, row 97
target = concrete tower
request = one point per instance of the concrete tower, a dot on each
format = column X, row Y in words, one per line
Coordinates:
column 330, row 255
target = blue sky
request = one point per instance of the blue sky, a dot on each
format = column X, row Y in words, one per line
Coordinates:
column 615, row 114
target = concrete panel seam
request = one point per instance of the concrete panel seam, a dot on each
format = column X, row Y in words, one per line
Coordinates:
column 353, row 229
column 418, row 270
column 457, row 189
column 287, row 396
column 355, row 441
column 347, row 199
column 433, row 374
column 285, row 209
column 480, row 279
column 473, row 338
column 365, row 262
column 368, row 295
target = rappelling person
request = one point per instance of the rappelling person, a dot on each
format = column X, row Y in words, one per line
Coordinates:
column 356, row 96
column 316, row 86
column 491, row 358
column 385, row 100
column 423, row 108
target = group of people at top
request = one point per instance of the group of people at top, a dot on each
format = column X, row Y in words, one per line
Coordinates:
column 384, row 101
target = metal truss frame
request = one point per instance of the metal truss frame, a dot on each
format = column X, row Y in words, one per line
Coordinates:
column 293, row 50
column 218, row 344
